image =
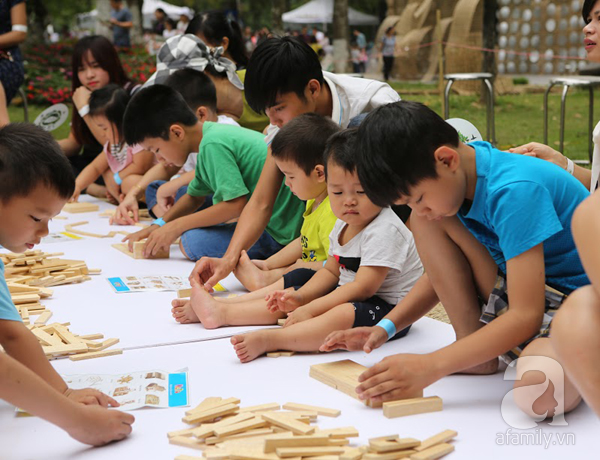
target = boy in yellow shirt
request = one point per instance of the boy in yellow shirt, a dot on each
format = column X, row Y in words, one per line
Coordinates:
column 298, row 151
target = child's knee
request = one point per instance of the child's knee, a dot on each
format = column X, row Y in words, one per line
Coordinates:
column 578, row 315
column 182, row 248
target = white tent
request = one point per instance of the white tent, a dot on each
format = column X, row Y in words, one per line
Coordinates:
column 321, row 12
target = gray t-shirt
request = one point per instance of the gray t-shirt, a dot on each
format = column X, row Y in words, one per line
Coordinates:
column 121, row 34
column 388, row 45
column 385, row 242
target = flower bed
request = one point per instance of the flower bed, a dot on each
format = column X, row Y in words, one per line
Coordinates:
column 48, row 70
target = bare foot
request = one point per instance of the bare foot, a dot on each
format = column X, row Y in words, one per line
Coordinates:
column 206, row 309
column 251, row 277
column 183, row 312
column 250, row 346
column 491, row 367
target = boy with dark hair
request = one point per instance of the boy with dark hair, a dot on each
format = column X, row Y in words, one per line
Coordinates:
column 372, row 262
column 229, row 163
column 483, row 220
column 298, row 151
column 284, row 79
column 35, row 183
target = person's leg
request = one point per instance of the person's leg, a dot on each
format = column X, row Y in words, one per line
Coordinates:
column 304, row 336
column 151, row 190
column 129, row 182
column 560, row 396
column 575, row 339
column 206, row 242
column 264, row 247
column 4, row 119
column 254, row 295
column 460, row 269
column 252, row 277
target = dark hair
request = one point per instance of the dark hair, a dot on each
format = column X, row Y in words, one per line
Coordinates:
column 107, row 58
column 340, row 150
column 171, row 22
column 196, row 88
column 280, row 65
column 303, row 140
column 214, row 26
column 152, row 111
column 110, row 101
column 395, row 148
column 30, row 156
column 587, row 9
column 161, row 11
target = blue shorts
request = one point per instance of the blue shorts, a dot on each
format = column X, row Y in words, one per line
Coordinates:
column 214, row 241
column 153, row 188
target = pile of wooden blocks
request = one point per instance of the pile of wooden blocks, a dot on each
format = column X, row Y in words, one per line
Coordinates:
column 35, row 268
column 58, row 342
column 223, row 430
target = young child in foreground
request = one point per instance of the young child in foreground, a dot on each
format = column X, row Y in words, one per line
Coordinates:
column 372, row 259
column 493, row 230
column 298, row 150
column 230, row 159
column 120, row 165
column 36, row 180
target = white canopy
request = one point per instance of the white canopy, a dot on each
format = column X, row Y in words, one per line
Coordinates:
column 321, row 12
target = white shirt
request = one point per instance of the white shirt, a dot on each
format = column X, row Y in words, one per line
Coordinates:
column 350, row 97
column 190, row 164
column 595, row 159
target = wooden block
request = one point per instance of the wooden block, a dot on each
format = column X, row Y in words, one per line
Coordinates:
column 65, row 349
column 345, row 432
column 295, row 441
column 16, row 288
column 186, row 441
column 439, row 438
column 352, row 454
column 107, row 343
column 67, row 336
column 208, row 429
column 24, row 312
column 381, row 446
column 184, row 432
column 261, row 408
column 205, row 405
column 389, row 455
column 281, row 322
column 76, row 208
column 325, row 457
column 341, row 375
column 184, row 293
column 188, row 457
column 262, row 432
column 43, row 318
column 433, row 452
column 96, row 354
column 94, row 271
column 138, row 251
column 319, row 410
column 211, row 414
column 92, row 336
column 25, row 298
column 235, row 428
column 45, row 338
column 286, row 452
column 45, row 292
column 412, row 406
column 288, row 423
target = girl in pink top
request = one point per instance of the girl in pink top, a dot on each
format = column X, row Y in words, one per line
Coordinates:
column 120, row 165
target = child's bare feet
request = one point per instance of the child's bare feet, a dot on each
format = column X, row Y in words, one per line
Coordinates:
column 250, row 346
column 251, row 277
column 183, row 312
column 205, row 308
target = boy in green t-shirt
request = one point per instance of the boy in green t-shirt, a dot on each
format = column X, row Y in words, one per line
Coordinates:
column 298, row 151
column 229, row 163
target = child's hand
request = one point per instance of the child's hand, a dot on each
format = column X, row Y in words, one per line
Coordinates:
column 297, row 316
column 111, row 198
column 121, row 217
column 75, row 197
column 397, row 376
column 164, row 198
column 356, row 339
column 137, row 236
column 98, row 426
column 91, row 397
column 286, row 301
column 161, row 238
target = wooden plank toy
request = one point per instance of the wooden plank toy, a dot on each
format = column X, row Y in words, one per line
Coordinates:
column 439, row 438
column 138, row 250
column 433, row 453
column 75, row 208
column 412, row 406
column 319, row 410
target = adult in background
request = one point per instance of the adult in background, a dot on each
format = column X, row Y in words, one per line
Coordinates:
column 158, row 25
column 121, row 22
column 215, row 29
column 13, row 30
column 183, row 23
column 388, row 48
column 95, row 64
column 360, row 39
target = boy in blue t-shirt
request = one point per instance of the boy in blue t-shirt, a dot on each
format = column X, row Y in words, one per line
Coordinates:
column 482, row 220
column 36, row 181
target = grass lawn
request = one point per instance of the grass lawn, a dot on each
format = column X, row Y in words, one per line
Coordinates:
column 519, row 118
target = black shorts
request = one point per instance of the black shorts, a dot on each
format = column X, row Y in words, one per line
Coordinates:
column 297, row 278
column 369, row 312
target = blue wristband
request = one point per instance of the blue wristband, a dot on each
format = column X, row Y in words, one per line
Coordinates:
column 388, row 326
column 118, row 179
column 160, row 222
